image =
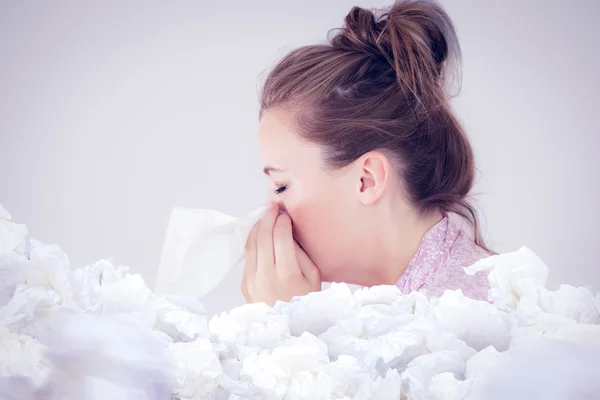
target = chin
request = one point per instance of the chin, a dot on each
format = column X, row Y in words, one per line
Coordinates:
column 336, row 277
column 331, row 273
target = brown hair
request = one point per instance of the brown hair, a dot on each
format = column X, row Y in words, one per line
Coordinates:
column 381, row 84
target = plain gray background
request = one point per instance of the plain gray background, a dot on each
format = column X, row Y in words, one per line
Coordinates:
column 113, row 112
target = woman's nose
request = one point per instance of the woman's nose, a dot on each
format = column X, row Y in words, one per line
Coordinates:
column 272, row 199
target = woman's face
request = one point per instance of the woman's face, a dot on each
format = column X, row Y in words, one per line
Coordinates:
column 321, row 203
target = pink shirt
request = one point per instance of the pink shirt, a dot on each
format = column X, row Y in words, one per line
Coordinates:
column 439, row 263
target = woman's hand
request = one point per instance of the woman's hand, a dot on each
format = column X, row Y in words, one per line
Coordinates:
column 276, row 266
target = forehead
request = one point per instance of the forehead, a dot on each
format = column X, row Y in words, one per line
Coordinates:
column 281, row 146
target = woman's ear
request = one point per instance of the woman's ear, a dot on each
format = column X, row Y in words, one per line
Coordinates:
column 374, row 172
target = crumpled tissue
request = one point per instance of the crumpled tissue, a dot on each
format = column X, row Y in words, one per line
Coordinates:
column 549, row 370
column 477, row 323
column 13, row 237
column 253, row 325
column 512, row 276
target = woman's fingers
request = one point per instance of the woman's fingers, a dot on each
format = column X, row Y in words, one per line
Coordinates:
column 276, row 267
column 265, row 253
column 307, row 267
column 251, row 252
column 283, row 243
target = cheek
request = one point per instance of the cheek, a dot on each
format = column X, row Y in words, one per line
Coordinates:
column 319, row 225
column 307, row 210
column 307, row 218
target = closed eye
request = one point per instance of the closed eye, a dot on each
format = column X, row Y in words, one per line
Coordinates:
column 280, row 189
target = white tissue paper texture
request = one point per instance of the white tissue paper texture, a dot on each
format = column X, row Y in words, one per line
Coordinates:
column 201, row 246
column 98, row 332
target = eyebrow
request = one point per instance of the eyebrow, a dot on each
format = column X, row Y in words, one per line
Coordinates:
column 268, row 170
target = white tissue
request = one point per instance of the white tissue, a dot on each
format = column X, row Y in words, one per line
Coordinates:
column 12, row 236
column 483, row 362
column 586, row 334
column 512, row 276
column 251, row 325
column 308, row 314
column 571, row 302
column 418, row 377
column 387, row 387
column 548, row 369
column 294, row 370
column 197, row 368
column 445, row 386
column 21, row 355
column 182, row 319
column 134, row 362
column 201, row 247
column 384, row 294
column 477, row 323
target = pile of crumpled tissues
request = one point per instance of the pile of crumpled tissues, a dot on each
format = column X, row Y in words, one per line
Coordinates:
column 98, row 332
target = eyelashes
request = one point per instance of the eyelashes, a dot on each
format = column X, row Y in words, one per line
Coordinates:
column 280, row 189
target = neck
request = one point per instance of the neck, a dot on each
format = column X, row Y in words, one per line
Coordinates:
column 399, row 240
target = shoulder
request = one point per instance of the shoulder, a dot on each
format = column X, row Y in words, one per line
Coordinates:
column 451, row 274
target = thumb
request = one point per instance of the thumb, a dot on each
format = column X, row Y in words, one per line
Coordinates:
column 307, row 267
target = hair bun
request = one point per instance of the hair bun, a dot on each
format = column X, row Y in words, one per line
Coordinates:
column 416, row 37
column 362, row 32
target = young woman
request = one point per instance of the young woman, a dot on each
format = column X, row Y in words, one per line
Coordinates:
column 368, row 164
